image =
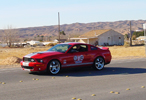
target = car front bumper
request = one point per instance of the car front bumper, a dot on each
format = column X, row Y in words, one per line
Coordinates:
column 33, row 66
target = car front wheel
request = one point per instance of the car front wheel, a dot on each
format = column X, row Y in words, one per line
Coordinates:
column 54, row 67
column 99, row 63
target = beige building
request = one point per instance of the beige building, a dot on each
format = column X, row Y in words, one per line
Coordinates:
column 101, row 37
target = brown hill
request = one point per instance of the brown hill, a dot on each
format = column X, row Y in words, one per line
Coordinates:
column 77, row 29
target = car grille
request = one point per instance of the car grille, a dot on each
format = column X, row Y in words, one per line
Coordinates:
column 28, row 59
column 26, row 67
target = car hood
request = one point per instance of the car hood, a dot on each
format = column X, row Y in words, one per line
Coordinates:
column 42, row 54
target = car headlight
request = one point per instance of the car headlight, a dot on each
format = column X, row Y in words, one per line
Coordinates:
column 32, row 60
column 40, row 60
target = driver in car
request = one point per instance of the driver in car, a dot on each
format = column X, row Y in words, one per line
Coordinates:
column 79, row 48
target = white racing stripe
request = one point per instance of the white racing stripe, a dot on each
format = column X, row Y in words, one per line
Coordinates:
column 77, row 64
column 32, row 54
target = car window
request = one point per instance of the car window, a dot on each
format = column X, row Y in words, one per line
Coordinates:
column 93, row 48
column 60, row 48
column 79, row 48
column 84, row 48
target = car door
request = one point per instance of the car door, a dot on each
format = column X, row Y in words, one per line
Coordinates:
column 77, row 57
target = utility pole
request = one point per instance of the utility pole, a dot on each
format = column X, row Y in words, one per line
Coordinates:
column 130, row 39
column 144, row 28
column 59, row 26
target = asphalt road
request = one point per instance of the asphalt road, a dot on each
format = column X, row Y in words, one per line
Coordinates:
column 78, row 84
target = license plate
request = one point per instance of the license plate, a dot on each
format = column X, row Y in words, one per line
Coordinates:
column 25, row 63
column 27, row 69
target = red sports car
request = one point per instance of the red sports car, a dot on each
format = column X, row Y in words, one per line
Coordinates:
column 63, row 55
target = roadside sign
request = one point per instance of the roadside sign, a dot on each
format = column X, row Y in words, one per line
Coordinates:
column 144, row 28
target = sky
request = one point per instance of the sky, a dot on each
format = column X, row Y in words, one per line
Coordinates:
column 34, row 13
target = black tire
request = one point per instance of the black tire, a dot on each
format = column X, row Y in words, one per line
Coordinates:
column 53, row 67
column 99, row 63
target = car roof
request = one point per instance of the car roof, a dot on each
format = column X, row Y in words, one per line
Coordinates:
column 73, row 43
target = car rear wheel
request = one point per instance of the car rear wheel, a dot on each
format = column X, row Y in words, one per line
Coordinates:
column 99, row 63
column 54, row 67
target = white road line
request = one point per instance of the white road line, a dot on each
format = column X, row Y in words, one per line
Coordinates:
column 112, row 62
column 128, row 60
column 9, row 70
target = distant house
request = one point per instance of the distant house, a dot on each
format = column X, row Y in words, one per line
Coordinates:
column 32, row 42
column 138, row 30
column 101, row 37
column 140, row 38
column 61, row 40
column 3, row 45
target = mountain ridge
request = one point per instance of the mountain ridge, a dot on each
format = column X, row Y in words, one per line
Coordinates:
column 76, row 29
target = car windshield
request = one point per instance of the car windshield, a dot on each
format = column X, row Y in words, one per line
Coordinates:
column 60, row 48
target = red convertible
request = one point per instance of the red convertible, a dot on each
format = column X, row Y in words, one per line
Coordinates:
column 63, row 55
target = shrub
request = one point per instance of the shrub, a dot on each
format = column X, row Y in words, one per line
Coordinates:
column 137, row 34
column 51, row 44
column 142, row 42
column 126, row 44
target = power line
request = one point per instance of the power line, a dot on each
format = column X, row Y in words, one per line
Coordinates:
column 59, row 26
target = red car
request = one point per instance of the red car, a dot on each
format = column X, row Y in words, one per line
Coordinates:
column 63, row 55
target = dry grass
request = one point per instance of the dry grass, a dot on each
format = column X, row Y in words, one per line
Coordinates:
column 18, row 52
column 127, row 52
column 116, row 51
